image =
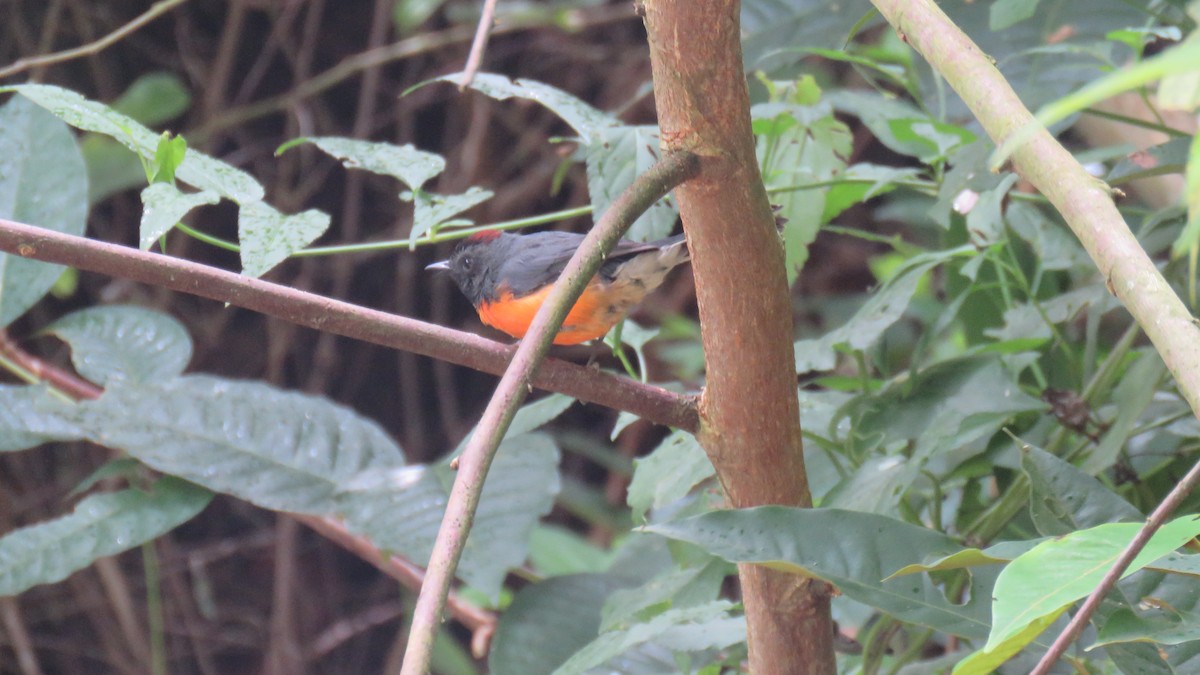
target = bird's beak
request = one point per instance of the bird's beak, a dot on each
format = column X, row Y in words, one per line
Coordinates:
column 441, row 265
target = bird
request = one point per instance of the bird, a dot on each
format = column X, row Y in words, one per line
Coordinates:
column 507, row 276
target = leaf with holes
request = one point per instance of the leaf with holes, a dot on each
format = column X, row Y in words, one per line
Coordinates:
column 268, row 237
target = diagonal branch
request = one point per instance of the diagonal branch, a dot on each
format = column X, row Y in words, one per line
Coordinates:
column 1086, row 205
column 673, row 169
column 342, row 318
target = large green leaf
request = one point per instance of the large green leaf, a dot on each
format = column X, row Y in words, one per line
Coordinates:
column 198, row 169
column 1060, row 571
column 770, row 28
column 667, row 474
column 101, row 525
column 548, row 622
column 31, row 415
column 114, row 344
column 616, row 156
column 268, row 237
column 867, row 549
column 707, row 626
column 1064, row 499
column 884, row 308
column 799, row 146
column 676, row 588
column 43, row 183
column 280, row 450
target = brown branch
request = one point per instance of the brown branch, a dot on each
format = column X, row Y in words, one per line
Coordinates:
column 479, row 44
column 342, row 318
column 1086, row 205
column 481, row 622
column 750, row 412
column 475, row 460
column 1155, row 521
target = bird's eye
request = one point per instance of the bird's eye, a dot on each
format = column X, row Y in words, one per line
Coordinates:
column 466, row 262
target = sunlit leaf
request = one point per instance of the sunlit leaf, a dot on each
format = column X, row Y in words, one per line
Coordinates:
column 1060, row 571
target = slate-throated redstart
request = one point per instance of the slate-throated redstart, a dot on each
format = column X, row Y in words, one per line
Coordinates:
column 507, row 276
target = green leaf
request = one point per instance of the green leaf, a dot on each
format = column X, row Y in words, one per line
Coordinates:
column 549, row 621
column 667, row 474
column 434, row 209
column 860, row 182
column 1156, row 160
column 1189, row 238
column 169, row 154
column 799, row 146
column 557, row 551
column 268, row 237
column 866, row 550
column 154, row 98
column 100, row 526
column 1162, row 625
column 280, row 450
column 198, row 169
column 113, row 344
column 674, row 589
column 1137, row 389
column 1060, row 571
column 933, row 140
column 771, row 27
column 583, row 118
column 407, row 164
column 42, row 182
column 987, row 661
column 876, row 486
column 163, row 206
column 530, row 417
column 400, row 509
column 884, row 308
column 691, row 629
column 985, row 220
column 971, row 557
column 30, row 416
column 615, row 157
column 1007, row 13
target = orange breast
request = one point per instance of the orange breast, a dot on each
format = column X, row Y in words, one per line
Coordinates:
column 599, row 308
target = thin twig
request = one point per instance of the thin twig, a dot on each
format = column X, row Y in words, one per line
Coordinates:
column 156, row 10
column 479, row 44
column 343, row 318
column 648, row 188
column 1155, row 521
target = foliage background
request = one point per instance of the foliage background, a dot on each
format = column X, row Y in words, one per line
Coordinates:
column 977, row 317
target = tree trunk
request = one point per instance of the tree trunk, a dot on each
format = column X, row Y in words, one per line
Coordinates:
column 750, row 420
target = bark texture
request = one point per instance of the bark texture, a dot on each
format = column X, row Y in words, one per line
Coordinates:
column 750, row 424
